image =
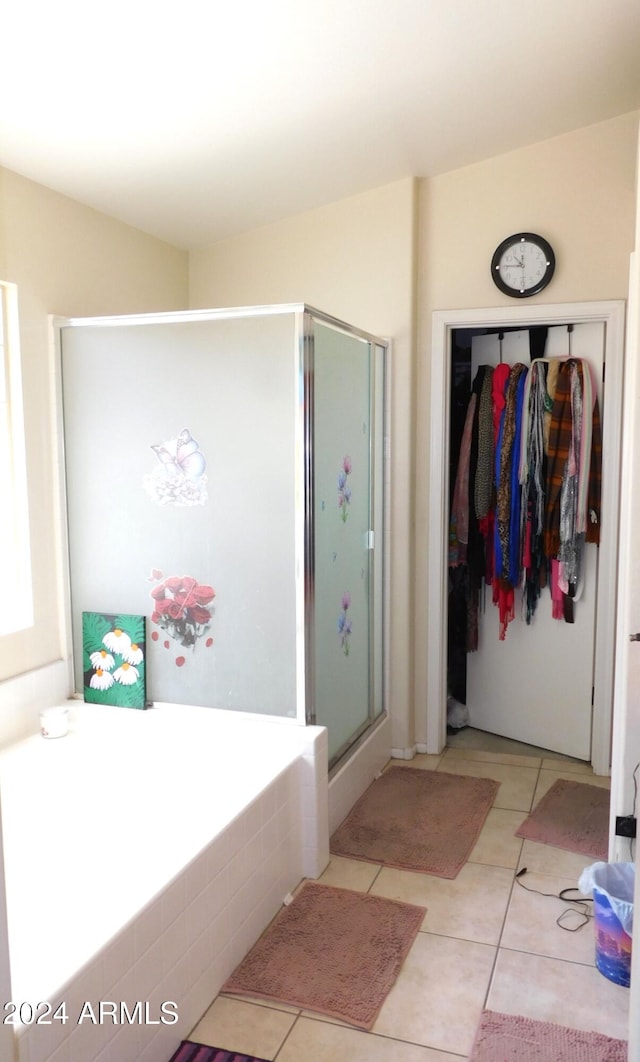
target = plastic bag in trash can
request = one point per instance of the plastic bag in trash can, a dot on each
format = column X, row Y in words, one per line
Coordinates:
column 617, row 881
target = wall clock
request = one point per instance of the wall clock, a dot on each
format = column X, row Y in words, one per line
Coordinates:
column 523, row 264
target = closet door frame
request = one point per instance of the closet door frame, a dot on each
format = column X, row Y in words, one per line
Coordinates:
column 431, row 713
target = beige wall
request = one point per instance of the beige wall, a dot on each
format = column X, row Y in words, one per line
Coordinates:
column 355, row 260
column 69, row 260
column 360, row 259
column 578, row 191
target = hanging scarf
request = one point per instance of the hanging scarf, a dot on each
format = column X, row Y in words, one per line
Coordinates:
column 571, row 541
column 551, row 383
column 509, row 456
column 532, row 480
column 499, row 381
column 507, row 536
column 560, row 430
column 515, row 525
column 459, row 520
column 476, row 545
column 484, row 464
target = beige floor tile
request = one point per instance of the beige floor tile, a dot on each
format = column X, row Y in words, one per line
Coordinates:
column 545, row 859
column 471, row 906
column 438, row 997
column 531, row 923
column 497, row 844
column 318, row 1041
column 547, row 778
column 422, row 760
column 573, row 766
column 562, row 992
column 243, row 1027
column 349, row 873
column 517, row 784
column 270, row 1004
column 470, row 738
column 485, row 756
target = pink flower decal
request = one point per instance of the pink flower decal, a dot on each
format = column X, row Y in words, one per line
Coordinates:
column 344, row 491
column 181, row 608
column 344, row 624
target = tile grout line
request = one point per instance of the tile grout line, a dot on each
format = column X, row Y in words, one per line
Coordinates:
column 323, row 1020
column 508, row 904
column 288, row 1034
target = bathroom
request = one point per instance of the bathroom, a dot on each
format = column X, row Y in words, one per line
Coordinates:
column 382, row 245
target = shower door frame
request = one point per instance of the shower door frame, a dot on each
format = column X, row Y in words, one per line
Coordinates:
column 376, row 615
column 303, row 317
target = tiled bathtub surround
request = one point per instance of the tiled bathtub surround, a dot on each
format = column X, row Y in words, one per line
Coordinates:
column 145, row 853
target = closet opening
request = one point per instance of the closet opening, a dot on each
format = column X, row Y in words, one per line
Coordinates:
column 547, row 682
column 507, row 342
column 525, row 397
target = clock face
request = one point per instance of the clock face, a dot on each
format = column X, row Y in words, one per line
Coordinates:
column 523, row 265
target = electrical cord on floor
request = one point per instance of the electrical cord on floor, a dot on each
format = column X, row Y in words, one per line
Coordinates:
column 580, row 908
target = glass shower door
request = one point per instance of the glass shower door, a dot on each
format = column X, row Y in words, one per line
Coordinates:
column 347, row 469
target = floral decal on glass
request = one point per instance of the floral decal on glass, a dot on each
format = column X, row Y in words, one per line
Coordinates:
column 181, row 610
column 344, row 491
column 344, row 623
column 179, row 477
column 114, row 659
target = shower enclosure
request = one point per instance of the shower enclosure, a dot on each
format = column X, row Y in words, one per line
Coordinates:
column 225, row 491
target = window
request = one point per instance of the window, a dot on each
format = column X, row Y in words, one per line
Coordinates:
column 15, row 564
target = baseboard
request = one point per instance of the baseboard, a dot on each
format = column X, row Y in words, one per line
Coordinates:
column 404, row 754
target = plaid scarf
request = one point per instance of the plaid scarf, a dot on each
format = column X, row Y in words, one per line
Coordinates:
column 560, row 436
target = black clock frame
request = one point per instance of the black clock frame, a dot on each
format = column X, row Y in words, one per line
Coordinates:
column 510, row 241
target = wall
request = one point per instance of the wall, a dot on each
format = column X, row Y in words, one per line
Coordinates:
column 69, row 260
column 626, row 734
column 354, row 259
column 578, row 190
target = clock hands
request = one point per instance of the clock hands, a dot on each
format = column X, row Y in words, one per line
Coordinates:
column 523, row 264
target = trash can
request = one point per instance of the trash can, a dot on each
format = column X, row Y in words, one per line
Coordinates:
column 611, row 885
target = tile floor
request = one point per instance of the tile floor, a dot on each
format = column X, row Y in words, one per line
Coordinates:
column 484, row 940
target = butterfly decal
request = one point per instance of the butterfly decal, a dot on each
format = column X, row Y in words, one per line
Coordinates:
column 187, row 459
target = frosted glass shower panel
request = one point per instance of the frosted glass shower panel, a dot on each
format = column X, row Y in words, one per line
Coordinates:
column 180, row 450
column 342, row 524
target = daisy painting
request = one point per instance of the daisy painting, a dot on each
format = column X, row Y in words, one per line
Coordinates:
column 114, row 659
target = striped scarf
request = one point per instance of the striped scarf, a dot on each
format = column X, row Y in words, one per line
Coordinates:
column 560, row 436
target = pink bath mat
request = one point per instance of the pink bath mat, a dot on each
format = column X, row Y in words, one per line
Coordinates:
column 332, row 950
column 513, row 1038
column 571, row 815
column 426, row 821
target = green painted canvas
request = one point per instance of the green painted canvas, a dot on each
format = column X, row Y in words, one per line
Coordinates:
column 114, row 659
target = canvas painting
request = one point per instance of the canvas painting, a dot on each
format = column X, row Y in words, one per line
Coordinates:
column 114, row 659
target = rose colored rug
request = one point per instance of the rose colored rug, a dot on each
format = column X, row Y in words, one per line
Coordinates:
column 332, row 950
column 571, row 815
column 192, row 1052
column 512, row 1038
column 417, row 820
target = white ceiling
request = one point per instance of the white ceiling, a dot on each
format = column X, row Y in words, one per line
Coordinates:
column 199, row 119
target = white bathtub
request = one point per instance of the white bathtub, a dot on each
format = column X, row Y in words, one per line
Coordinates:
column 144, row 854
